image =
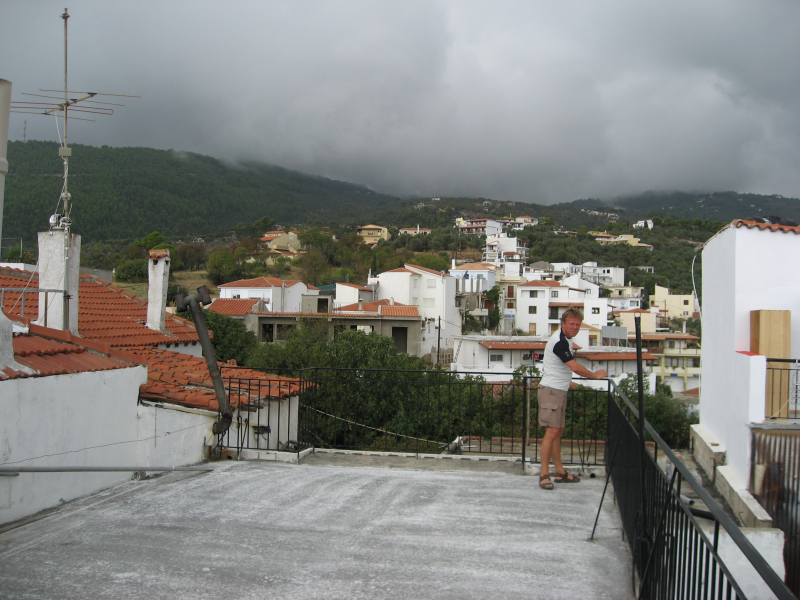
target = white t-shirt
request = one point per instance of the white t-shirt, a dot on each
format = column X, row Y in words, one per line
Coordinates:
column 557, row 353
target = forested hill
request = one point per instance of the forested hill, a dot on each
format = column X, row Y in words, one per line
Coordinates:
column 122, row 193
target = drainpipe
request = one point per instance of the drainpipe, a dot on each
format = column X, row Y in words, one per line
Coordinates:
column 193, row 302
column 5, row 110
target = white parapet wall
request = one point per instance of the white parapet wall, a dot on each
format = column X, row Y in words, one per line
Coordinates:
column 81, row 419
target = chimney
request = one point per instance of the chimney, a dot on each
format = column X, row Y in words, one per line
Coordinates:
column 391, row 301
column 59, row 269
column 360, row 304
column 157, row 276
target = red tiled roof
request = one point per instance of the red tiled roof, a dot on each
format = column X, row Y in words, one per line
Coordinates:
column 633, row 310
column 109, row 315
column 400, row 270
column 106, row 313
column 399, row 310
column 260, row 282
column 358, row 287
column 45, row 356
column 479, row 266
column 514, row 345
column 233, row 307
column 368, row 306
column 614, row 355
column 665, row 336
column 185, row 380
column 766, row 226
column 570, row 303
column 541, row 283
column 431, row 271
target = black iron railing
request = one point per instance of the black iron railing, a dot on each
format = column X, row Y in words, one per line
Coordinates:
column 673, row 557
column 264, row 414
column 775, row 473
column 783, row 388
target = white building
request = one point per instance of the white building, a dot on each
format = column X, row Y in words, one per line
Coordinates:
column 278, row 295
column 474, row 277
column 521, row 223
column 435, row 295
column 642, row 224
column 625, row 297
column 501, row 248
column 349, row 293
column 541, row 303
column 480, row 227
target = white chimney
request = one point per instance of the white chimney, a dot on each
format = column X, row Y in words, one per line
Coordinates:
column 59, row 269
column 361, row 304
column 158, row 279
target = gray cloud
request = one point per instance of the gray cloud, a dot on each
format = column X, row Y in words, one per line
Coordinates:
column 531, row 101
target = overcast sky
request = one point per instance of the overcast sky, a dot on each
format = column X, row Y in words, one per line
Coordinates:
column 529, row 101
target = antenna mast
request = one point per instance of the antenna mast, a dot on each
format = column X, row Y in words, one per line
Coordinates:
column 65, row 151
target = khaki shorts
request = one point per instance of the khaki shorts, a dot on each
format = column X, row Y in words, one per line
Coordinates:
column 552, row 407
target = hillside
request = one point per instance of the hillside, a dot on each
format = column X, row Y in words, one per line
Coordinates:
column 130, row 192
column 126, row 193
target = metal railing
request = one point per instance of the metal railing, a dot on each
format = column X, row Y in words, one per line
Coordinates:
column 783, row 388
column 775, row 484
column 438, row 411
column 264, row 414
column 673, row 557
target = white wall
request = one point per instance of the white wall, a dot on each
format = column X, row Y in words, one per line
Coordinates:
column 741, row 274
column 82, row 419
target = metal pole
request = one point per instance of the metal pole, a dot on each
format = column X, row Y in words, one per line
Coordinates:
column 439, row 341
column 17, row 470
column 644, row 538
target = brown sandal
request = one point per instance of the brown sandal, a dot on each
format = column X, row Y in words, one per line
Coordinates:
column 546, row 486
column 567, row 478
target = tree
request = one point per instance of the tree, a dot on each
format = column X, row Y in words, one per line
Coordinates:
column 150, row 241
column 313, row 265
column 193, row 256
column 230, row 338
column 222, row 267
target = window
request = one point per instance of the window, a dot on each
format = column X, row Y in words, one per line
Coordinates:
column 532, row 329
column 431, row 283
column 531, row 310
column 593, row 340
column 495, row 358
column 671, row 344
column 415, row 283
column 509, row 305
column 510, row 291
column 534, row 294
column 686, row 303
column 428, row 302
column 595, row 310
column 695, row 363
column 554, row 294
column 553, row 312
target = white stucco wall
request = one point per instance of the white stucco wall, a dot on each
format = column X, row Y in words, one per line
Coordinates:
column 741, row 274
column 83, row 419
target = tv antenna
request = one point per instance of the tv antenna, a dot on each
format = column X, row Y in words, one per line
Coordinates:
column 82, row 103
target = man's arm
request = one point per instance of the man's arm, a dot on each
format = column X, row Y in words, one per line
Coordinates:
column 579, row 369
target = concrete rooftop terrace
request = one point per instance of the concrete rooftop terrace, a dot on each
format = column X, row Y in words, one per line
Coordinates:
column 332, row 527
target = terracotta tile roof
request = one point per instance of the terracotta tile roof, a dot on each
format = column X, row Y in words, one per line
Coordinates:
column 479, row 266
column 109, row 315
column 614, row 355
column 46, row 356
column 358, row 287
column 431, row 271
column 590, row 327
column 368, row 306
column 691, row 392
column 514, row 345
column 261, row 282
column 570, row 303
column 400, row 270
column 541, row 283
column 633, row 310
column 399, row 310
column 233, row 307
column 181, row 379
column 766, row 226
column 106, row 313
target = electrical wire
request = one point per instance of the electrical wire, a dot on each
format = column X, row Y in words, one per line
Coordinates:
column 105, row 445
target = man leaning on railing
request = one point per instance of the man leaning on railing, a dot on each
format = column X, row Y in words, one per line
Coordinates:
column 559, row 364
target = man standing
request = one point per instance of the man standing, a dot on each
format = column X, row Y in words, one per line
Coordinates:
column 559, row 364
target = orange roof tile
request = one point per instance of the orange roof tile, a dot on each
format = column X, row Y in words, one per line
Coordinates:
column 261, row 282
column 541, row 283
column 106, row 313
column 431, row 271
column 185, row 380
column 570, row 303
column 614, row 355
column 47, row 357
column 514, row 345
column 399, row 310
column 766, row 226
column 233, row 307
column 479, row 266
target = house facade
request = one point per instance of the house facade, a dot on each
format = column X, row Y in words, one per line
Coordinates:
column 276, row 294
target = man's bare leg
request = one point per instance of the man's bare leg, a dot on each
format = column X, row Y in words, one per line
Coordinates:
column 551, row 448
